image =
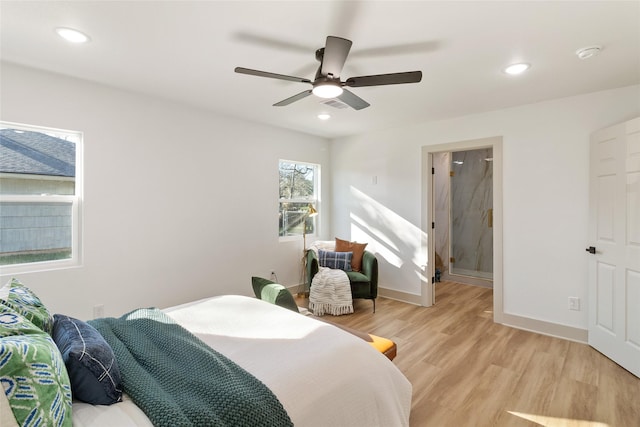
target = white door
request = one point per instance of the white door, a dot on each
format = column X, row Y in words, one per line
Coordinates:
column 614, row 236
column 428, row 287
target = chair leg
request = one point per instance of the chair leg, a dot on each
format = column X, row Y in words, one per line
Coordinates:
column 374, row 305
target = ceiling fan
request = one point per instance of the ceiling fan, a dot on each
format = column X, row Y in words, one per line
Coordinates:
column 327, row 83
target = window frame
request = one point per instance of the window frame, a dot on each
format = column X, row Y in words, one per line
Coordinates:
column 314, row 200
column 74, row 200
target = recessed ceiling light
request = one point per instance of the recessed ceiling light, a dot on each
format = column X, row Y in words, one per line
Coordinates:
column 588, row 52
column 324, row 116
column 71, row 35
column 514, row 69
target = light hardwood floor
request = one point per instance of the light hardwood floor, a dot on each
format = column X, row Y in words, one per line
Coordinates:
column 468, row 371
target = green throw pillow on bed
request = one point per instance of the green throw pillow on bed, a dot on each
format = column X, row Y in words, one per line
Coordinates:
column 274, row 293
column 32, row 374
column 20, row 298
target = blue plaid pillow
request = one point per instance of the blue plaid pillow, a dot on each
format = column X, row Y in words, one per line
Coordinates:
column 91, row 364
column 335, row 260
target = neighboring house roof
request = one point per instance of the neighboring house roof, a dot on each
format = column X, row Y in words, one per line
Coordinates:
column 36, row 153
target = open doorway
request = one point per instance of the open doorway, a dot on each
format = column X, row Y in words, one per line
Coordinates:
column 491, row 217
column 463, row 216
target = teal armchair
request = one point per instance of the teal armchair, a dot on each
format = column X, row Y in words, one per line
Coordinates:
column 364, row 283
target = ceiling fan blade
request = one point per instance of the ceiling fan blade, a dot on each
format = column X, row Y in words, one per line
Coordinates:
column 353, row 100
column 384, row 79
column 399, row 49
column 293, row 98
column 270, row 75
column 336, row 51
column 272, row 42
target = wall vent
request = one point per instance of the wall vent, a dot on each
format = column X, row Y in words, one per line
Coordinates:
column 335, row 104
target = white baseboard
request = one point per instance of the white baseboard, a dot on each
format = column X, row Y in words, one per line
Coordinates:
column 399, row 296
column 525, row 323
column 546, row 328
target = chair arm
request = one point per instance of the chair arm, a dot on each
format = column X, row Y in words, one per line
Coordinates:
column 370, row 269
column 312, row 266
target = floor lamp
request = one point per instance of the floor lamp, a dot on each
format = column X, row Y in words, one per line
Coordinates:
column 310, row 214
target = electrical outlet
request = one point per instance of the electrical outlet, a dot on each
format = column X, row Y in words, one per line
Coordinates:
column 98, row 311
column 574, row 303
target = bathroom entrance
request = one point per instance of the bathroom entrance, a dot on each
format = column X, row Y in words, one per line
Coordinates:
column 463, row 214
column 475, row 261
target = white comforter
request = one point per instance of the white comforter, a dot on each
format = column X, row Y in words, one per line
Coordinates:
column 323, row 375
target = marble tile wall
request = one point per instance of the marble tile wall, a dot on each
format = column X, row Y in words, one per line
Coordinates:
column 471, row 209
column 441, row 164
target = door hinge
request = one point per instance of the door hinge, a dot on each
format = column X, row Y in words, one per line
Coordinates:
column 452, row 173
column 433, row 171
column 433, row 279
column 452, row 259
column 433, row 225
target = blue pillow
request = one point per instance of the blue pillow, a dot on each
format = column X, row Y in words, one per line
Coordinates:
column 91, row 364
column 335, row 260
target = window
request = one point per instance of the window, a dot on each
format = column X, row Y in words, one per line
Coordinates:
column 299, row 190
column 40, row 191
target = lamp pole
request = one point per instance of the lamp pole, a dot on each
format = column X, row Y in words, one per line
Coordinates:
column 312, row 212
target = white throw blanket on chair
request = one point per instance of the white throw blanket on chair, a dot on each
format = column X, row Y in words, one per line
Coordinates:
column 330, row 293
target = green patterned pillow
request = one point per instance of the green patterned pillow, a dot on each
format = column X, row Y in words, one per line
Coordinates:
column 14, row 323
column 20, row 298
column 33, row 376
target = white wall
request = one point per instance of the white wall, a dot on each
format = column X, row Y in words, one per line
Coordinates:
column 169, row 192
column 179, row 203
column 545, row 184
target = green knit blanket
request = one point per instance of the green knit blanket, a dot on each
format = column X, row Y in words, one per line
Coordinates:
column 178, row 380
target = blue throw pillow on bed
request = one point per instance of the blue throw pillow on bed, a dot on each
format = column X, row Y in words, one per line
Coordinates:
column 90, row 362
column 335, row 260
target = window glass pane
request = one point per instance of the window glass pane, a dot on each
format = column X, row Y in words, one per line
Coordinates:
column 37, row 162
column 37, row 193
column 292, row 217
column 298, row 193
column 32, row 232
column 297, row 180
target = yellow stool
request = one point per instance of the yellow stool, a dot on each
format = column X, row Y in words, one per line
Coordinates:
column 383, row 345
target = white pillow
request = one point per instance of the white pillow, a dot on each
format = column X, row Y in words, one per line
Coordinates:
column 325, row 245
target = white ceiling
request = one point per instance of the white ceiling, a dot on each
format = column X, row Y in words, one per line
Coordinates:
column 187, row 51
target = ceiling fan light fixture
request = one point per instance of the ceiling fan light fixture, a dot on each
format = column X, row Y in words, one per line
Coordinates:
column 327, row 90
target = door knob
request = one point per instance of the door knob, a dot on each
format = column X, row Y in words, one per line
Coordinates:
column 591, row 249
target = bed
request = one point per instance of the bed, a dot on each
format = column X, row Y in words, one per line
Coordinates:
column 321, row 375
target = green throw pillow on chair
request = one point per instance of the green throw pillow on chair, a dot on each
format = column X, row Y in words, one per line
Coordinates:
column 274, row 293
